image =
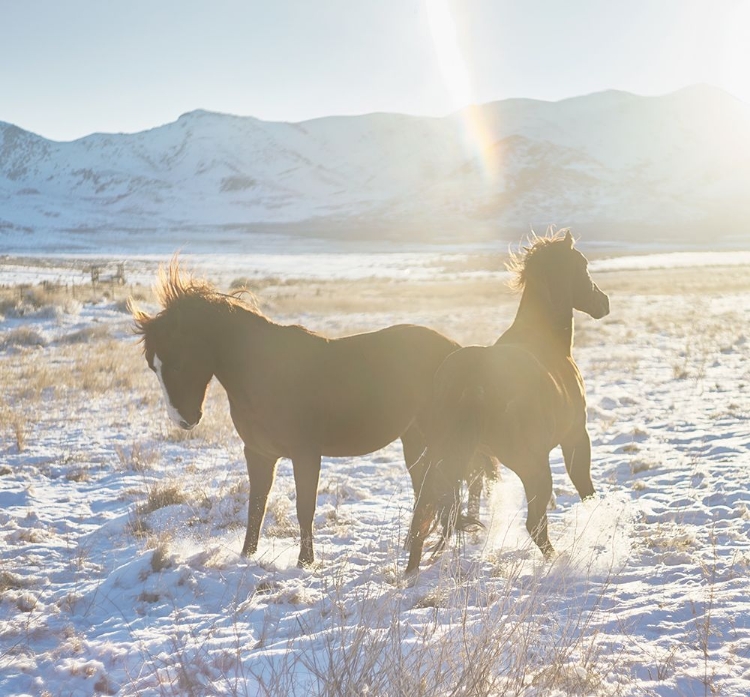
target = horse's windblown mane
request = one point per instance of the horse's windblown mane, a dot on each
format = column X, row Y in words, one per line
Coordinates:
column 174, row 284
column 518, row 261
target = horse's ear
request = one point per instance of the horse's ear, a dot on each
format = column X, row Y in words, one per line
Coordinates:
column 569, row 238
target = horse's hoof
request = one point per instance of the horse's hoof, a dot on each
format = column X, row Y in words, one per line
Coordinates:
column 409, row 578
column 411, row 572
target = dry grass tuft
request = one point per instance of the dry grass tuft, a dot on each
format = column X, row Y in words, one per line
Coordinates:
column 161, row 495
column 11, row 581
column 162, row 558
column 19, row 430
column 136, row 458
column 281, row 524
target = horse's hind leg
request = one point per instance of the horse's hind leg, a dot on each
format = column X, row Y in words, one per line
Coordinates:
column 577, row 456
column 424, row 513
column 483, row 468
column 261, row 471
column 476, row 484
column 413, row 443
column 448, row 515
column 306, row 476
column 537, row 483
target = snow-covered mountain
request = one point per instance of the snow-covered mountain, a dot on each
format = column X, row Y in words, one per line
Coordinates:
column 611, row 163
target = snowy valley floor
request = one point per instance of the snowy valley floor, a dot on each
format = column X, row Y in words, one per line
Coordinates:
column 119, row 535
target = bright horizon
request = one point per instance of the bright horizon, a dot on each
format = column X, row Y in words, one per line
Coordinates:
column 71, row 69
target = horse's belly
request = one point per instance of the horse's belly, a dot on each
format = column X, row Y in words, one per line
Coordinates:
column 354, row 441
column 355, row 449
column 359, row 432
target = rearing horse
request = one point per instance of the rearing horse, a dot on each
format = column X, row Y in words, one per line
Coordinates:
column 292, row 393
column 515, row 400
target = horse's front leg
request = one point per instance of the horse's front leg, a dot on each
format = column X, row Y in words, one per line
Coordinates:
column 306, row 477
column 261, row 471
column 577, row 455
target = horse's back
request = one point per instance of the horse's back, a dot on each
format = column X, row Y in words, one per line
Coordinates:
column 399, row 337
column 372, row 386
column 407, row 353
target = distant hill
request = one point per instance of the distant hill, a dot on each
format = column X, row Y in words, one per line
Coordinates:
column 612, row 164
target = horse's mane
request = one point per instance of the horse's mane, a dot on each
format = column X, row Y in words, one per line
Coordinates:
column 518, row 261
column 175, row 285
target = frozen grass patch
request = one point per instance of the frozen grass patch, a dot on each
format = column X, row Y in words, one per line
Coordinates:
column 87, row 335
column 453, row 641
column 23, row 336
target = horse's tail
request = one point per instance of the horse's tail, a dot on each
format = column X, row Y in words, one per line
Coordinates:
column 450, row 465
column 490, row 468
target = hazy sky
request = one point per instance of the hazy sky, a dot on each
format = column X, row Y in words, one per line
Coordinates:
column 72, row 67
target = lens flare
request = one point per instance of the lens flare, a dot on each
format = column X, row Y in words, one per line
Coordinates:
column 735, row 50
column 478, row 136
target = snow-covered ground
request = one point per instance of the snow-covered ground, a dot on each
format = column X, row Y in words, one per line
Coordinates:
column 119, row 536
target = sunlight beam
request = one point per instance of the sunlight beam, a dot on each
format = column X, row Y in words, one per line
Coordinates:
column 456, row 76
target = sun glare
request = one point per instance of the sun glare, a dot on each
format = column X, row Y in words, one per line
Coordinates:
column 457, row 79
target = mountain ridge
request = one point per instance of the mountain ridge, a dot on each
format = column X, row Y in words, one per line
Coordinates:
column 610, row 159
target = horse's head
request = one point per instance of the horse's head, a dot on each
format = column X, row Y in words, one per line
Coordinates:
column 585, row 295
column 176, row 350
column 558, row 269
column 180, row 361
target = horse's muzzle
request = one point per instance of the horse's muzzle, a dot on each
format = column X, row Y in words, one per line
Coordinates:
column 189, row 425
column 600, row 305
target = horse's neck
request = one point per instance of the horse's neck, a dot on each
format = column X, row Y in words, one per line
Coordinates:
column 233, row 335
column 247, row 344
column 542, row 326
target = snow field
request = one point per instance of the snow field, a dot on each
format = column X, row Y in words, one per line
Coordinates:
column 119, row 535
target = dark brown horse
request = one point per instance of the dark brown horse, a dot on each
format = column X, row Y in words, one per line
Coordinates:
column 292, row 393
column 515, row 400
